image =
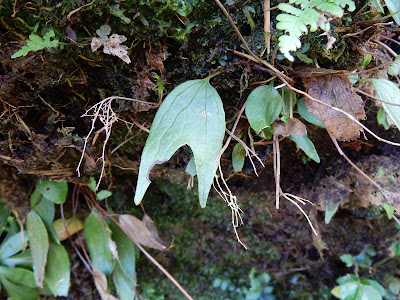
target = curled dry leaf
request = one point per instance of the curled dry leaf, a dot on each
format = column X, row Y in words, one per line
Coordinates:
column 100, row 281
column 112, row 46
column 142, row 231
column 336, row 90
column 292, row 127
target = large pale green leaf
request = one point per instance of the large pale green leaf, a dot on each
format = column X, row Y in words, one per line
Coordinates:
column 263, row 106
column 98, row 240
column 306, row 145
column 389, row 92
column 394, row 6
column 13, row 244
column 19, row 292
column 55, row 191
column 124, row 272
column 57, row 274
column 39, row 244
column 192, row 114
column 18, row 275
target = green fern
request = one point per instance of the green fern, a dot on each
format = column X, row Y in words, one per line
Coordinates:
column 36, row 43
column 295, row 21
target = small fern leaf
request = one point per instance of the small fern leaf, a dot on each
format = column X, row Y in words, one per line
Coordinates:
column 303, row 3
column 330, row 7
column 295, row 24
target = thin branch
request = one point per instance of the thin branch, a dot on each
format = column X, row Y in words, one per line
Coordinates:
column 375, row 98
column 259, row 60
column 381, row 189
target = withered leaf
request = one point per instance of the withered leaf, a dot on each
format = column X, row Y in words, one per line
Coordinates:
column 100, row 281
column 292, row 127
column 142, row 231
column 337, row 91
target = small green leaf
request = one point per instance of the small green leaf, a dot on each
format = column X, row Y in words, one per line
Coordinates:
column 43, row 207
column 306, row 145
column 375, row 285
column 97, row 235
column 348, row 259
column 23, row 260
column 366, row 60
column 46, row 210
column 92, row 184
column 330, row 210
column 394, row 286
column 238, row 156
column 124, row 273
column 35, row 43
column 192, row 114
column 309, row 117
column 19, row 292
column 18, row 275
column 394, row 68
column 55, row 191
column 263, row 107
column 381, row 118
column 389, row 209
column 103, row 194
column 389, row 92
column 347, row 291
column 39, row 244
column 13, row 244
column 57, row 275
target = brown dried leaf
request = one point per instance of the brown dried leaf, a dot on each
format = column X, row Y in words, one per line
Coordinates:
column 100, row 281
column 142, row 231
column 293, row 127
column 335, row 90
column 96, row 44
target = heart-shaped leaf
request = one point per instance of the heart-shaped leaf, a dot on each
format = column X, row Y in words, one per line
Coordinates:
column 192, row 114
column 39, row 244
column 263, row 106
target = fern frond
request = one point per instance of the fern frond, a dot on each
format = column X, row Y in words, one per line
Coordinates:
column 295, row 25
column 295, row 21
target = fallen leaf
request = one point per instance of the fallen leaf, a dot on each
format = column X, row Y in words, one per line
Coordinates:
column 100, row 281
column 142, row 231
column 337, row 91
column 292, row 127
column 72, row 226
